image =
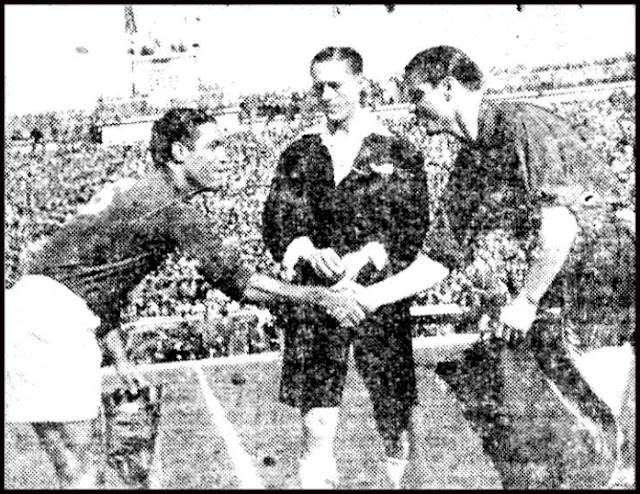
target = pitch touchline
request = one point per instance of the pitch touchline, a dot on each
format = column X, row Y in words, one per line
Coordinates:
column 424, row 344
column 192, row 364
column 245, row 471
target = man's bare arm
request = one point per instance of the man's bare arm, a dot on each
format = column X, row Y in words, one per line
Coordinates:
column 341, row 306
column 557, row 233
column 131, row 377
column 420, row 275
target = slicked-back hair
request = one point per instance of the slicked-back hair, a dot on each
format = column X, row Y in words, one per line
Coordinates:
column 434, row 64
column 342, row 53
column 177, row 125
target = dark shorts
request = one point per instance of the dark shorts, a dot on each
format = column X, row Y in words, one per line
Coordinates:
column 316, row 357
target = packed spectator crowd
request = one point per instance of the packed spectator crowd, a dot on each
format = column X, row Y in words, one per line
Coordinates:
column 547, row 77
column 43, row 190
column 70, row 127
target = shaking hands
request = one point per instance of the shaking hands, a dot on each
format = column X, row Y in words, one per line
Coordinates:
column 345, row 301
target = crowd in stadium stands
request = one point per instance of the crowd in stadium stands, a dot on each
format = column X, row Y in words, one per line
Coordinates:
column 44, row 189
column 119, row 110
column 548, row 77
column 68, row 127
column 291, row 103
column 511, row 79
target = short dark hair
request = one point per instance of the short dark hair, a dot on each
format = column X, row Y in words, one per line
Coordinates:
column 178, row 124
column 344, row 53
column 434, row 64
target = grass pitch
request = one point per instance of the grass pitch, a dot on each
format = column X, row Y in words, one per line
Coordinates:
column 459, row 434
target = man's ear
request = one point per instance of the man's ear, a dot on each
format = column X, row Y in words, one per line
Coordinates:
column 178, row 152
column 176, row 170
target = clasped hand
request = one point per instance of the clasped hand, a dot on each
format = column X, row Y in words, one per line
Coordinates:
column 344, row 301
column 342, row 305
column 132, row 379
column 328, row 264
column 514, row 321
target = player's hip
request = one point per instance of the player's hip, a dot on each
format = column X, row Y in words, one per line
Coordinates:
column 38, row 302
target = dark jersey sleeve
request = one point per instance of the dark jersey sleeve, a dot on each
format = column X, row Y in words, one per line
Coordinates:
column 286, row 214
column 557, row 167
column 440, row 244
column 560, row 170
column 445, row 242
column 222, row 260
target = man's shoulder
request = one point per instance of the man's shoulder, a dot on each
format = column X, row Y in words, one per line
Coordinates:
column 106, row 197
column 303, row 151
column 544, row 128
column 302, row 143
column 541, row 118
column 402, row 145
column 396, row 148
column 522, row 122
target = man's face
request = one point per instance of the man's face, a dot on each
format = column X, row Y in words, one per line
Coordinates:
column 336, row 89
column 205, row 163
column 430, row 105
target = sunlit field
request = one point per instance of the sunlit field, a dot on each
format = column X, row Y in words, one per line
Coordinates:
column 478, row 426
column 459, row 434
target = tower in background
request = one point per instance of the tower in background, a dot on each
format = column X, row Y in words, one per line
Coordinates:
column 163, row 65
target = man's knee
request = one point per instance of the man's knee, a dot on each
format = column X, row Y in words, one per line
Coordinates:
column 397, row 445
column 70, row 447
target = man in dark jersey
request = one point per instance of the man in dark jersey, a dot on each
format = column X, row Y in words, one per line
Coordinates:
column 78, row 281
column 347, row 195
column 525, row 176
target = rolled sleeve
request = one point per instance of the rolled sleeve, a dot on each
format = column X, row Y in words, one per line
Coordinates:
column 557, row 167
column 232, row 269
column 223, row 262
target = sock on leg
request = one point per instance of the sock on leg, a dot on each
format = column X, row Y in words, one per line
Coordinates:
column 318, row 465
column 395, row 470
column 318, row 471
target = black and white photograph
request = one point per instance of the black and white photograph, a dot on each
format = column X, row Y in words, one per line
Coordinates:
column 320, row 246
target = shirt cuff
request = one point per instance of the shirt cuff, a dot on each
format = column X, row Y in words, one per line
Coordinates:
column 377, row 254
column 297, row 249
column 237, row 284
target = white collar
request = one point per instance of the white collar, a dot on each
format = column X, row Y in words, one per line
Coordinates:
column 364, row 124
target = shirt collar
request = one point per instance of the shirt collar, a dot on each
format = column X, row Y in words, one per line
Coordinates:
column 364, row 124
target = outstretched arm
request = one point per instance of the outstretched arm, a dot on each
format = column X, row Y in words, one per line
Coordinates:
column 420, row 275
column 341, row 306
column 223, row 264
column 130, row 376
column 557, row 232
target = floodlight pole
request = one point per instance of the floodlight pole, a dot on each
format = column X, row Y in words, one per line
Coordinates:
column 130, row 29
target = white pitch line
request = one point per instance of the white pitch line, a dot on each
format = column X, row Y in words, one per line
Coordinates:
column 156, row 470
column 245, row 471
column 190, row 364
column 428, row 345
